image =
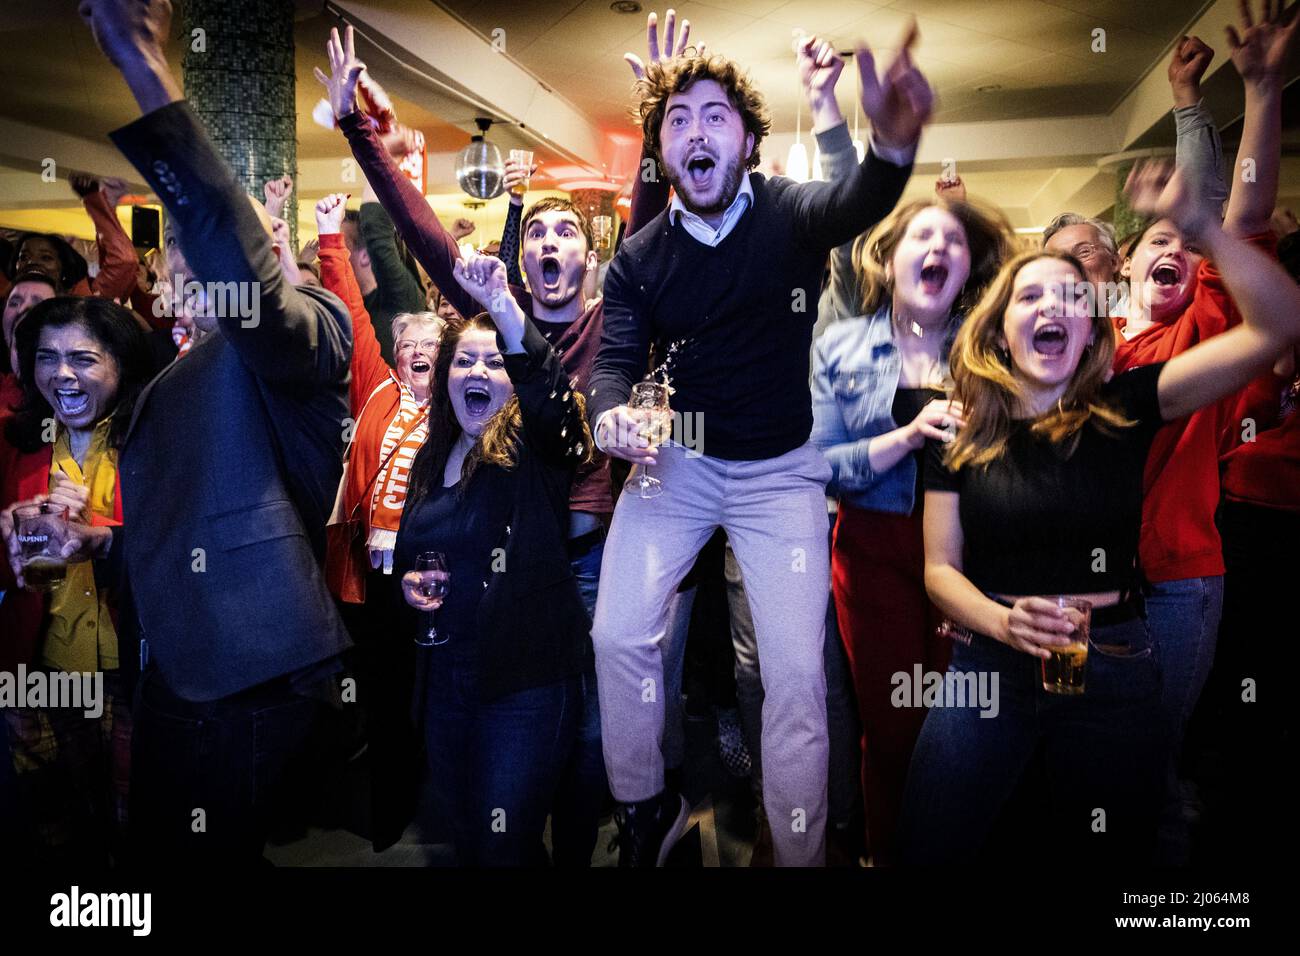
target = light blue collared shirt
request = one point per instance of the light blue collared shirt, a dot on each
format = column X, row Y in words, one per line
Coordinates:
column 701, row 230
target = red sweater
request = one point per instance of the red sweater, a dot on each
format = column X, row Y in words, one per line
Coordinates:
column 1265, row 471
column 1181, row 483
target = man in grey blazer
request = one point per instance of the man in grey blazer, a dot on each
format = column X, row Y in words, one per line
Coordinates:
column 228, row 473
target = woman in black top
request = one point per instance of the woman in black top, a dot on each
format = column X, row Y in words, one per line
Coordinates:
column 1040, row 495
column 490, row 491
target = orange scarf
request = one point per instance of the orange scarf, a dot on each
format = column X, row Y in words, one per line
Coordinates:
column 402, row 439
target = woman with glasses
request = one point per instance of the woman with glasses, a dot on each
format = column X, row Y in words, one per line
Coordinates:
column 390, row 412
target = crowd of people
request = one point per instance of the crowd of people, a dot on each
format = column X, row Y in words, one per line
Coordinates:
column 372, row 508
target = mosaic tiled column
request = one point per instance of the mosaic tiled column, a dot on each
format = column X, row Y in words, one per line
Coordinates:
column 239, row 77
column 597, row 202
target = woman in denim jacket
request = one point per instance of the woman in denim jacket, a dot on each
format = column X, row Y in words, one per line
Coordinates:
column 900, row 293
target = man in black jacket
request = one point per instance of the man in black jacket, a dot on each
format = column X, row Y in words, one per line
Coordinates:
column 723, row 287
column 228, row 473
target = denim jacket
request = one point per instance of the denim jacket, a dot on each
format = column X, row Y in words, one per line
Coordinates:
column 856, row 367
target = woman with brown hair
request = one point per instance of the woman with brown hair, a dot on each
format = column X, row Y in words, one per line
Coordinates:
column 1038, row 500
column 900, row 293
column 505, row 653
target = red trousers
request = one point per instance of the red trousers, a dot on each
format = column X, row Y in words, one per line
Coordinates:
column 887, row 624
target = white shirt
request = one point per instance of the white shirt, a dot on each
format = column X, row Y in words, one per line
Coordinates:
column 701, row 230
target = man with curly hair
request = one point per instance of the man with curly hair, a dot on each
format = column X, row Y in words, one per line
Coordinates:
column 719, row 286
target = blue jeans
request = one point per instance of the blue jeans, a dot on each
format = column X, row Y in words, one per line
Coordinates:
column 1104, row 751
column 575, row 815
column 1184, row 619
column 495, row 765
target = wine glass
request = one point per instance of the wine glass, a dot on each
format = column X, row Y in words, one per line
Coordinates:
column 434, row 581
column 649, row 402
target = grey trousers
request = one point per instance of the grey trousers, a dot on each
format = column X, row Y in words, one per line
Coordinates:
column 774, row 513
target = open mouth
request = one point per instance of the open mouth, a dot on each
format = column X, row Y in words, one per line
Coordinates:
column 1166, row 274
column 1051, row 339
column 420, row 366
column 933, row 279
column 477, row 400
column 71, row 401
column 550, row 272
column 699, row 169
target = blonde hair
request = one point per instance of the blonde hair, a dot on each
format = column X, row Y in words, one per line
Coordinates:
column 987, row 388
column 988, row 236
column 404, row 320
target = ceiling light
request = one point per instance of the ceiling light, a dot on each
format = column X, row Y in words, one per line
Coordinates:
column 625, row 6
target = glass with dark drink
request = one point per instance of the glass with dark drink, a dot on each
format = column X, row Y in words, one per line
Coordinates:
column 41, row 530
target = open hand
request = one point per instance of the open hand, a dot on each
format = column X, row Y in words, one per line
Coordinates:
column 674, row 43
column 341, row 84
column 900, row 101
column 1261, row 50
column 1159, row 190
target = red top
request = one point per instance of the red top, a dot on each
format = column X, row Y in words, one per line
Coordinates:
column 1181, row 482
column 1264, row 471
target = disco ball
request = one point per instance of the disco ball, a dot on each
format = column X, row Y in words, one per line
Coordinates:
column 479, row 169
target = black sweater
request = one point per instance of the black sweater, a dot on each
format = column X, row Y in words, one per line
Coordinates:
column 741, row 313
column 532, row 627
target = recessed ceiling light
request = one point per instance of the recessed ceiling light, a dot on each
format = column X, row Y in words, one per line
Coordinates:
column 989, row 88
column 625, row 6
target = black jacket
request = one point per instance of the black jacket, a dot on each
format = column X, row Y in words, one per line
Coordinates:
column 234, row 451
column 532, row 627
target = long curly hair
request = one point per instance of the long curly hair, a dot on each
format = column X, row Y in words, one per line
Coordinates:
column 987, row 388
column 677, row 75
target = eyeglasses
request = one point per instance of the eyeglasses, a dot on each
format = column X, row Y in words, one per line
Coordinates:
column 408, row 345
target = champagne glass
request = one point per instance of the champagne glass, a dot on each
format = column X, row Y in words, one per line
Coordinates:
column 434, row 581
column 649, row 402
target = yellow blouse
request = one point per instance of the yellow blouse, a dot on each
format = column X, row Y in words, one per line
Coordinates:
column 80, row 635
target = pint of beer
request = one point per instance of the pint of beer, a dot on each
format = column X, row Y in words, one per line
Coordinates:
column 41, row 530
column 1063, row 671
column 524, row 157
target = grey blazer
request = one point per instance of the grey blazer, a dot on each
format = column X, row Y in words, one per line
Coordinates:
column 234, row 452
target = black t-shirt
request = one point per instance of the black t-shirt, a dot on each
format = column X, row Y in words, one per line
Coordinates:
column 1036, row 522
column 908, row 403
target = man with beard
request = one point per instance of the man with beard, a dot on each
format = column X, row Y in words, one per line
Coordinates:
column 723, row 285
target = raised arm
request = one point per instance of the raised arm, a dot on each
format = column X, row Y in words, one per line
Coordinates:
column 285, row 336
column 399, row 290
column 1269, row 302
column 1260, row 54
column 117, row 261
column 368, row 365
column 509, row 251
column 551, row 409
column 416, row 223
column 898, row 103
column 1199, row 149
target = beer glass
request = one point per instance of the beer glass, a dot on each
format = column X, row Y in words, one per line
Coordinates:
column 1063, row 671
column 649, row 403
column 434, row 581
column 602, row 228
column 523, row 157
column 42, row 530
